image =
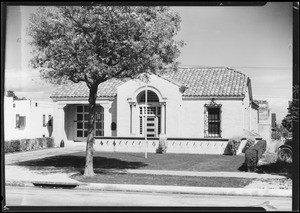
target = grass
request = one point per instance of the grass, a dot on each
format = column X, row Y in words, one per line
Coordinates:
column 168, row 161
column 106, row 162
column 146, row 179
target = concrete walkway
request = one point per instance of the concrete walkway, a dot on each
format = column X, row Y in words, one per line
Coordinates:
column 24, row 176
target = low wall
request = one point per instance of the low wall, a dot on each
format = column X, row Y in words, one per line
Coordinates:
column 175, row 145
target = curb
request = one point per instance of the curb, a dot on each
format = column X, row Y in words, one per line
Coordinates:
column 188, row 190
column 164, row 189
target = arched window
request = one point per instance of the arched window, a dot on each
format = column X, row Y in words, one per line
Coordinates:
column 151, row 97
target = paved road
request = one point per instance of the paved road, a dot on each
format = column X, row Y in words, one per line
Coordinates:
column 32, row 196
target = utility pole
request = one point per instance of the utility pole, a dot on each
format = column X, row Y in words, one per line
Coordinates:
column 146, row 117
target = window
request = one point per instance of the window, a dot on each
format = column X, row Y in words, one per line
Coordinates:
column 20, row 121
column 151, row 97
column 82, row 118
column 44, row 120
column 50, row 120
column 214, row 122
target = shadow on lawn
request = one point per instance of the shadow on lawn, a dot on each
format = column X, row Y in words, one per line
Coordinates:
column 78, row 163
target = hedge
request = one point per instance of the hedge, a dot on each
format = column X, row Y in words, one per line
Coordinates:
column 232, row 146
column 254, row 153
column 250, row 142
column 28, row 144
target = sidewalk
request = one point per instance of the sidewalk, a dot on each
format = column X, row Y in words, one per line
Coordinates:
column 23, row 176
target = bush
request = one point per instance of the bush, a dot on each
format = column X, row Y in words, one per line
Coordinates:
column 40, row 142
column 7, row 147
column 28, row 144
column 250, row 142
column 261, row 147
column 163, row 145
column 50, row 142
column 233, row 146
column 251, row 159
column 254, row 153
column 275, row 135
column 15, row 146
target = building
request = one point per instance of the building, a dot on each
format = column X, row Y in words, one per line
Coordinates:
column 27, row 119
column 196, row 109
column 264, row 120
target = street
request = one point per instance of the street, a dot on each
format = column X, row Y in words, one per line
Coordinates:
column 33, row 196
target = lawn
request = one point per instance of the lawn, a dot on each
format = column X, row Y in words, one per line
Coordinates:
column 106, row 164
column 154, row 161
column 146, row 179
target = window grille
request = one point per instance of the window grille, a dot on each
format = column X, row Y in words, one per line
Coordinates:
column 212, row 120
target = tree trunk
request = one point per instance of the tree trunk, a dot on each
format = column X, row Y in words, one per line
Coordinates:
column 89, row 168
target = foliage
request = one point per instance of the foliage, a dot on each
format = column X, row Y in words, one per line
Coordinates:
column 163, row 145
column 250, row 142
column 233, row 145
column 28, row 144
column 279, row 132
column 293, row 111
column 261, row 147
column 251, row 159
column 254, row 153
column 11, row 93
column 95, row 43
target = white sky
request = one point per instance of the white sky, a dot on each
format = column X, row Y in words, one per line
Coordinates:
column 254, row 40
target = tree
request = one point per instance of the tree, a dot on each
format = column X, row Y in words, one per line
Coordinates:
column 95, row 43
column 293, row 111
column 11, row 93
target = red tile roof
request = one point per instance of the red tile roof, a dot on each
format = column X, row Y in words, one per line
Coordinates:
column 200, row 82
column 211, row 81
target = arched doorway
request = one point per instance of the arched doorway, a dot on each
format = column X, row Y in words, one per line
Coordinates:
column 150, row 120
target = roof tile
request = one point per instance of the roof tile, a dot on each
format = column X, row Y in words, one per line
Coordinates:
column 203, row 81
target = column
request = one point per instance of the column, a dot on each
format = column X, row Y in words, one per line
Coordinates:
column 107, row 119
column 59, row 129
column 163, row 119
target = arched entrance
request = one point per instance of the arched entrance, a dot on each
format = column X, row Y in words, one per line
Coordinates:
column 150, row 120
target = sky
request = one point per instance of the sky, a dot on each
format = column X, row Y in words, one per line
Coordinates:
column 256, row 41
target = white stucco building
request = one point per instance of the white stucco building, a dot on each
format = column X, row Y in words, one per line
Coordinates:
column 27, row 119
column 196, row 109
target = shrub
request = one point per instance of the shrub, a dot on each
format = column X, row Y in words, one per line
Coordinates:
column 7, row 147
column 40, row 142
column 50, row 142
column 275, row 135
column 250, row 142
column 16, row 145
column 251, row 159
column 28, row 144
column 261, row 147
column 162, row 146
column 233, row 146
column 254, row 153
